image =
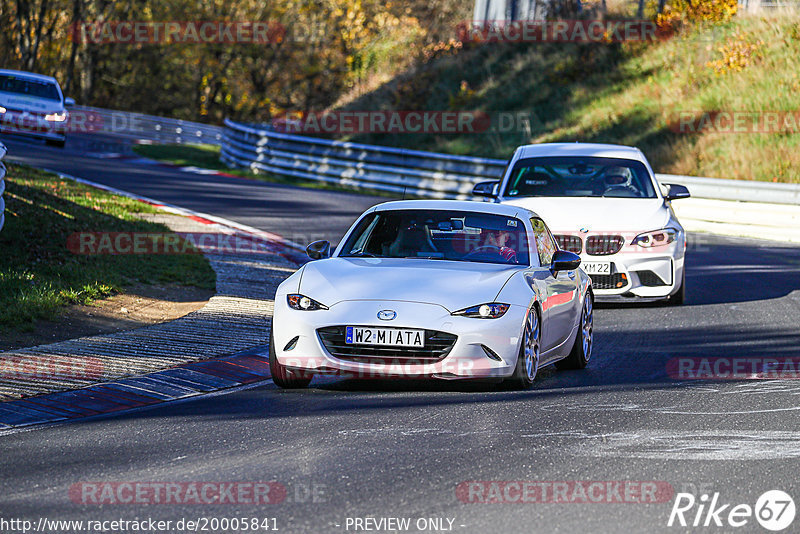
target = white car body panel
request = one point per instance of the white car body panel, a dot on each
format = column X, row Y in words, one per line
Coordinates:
column 338, row 279
column 628, row 217
column 25, row 114
column 423, row 293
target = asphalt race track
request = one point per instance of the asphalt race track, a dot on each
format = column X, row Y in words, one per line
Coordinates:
column 300, row 215
column 354, row 449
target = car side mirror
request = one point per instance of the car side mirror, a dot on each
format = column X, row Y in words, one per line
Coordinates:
column 676, row 192
column 69, row 102
column 564, row 260
column 319, row 250
column 486, row 189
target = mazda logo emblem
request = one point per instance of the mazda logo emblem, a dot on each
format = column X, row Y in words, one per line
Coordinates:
column 387, row 315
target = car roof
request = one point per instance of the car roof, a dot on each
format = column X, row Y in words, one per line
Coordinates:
column 457, row 205
column 31, row 75
column 581, row 149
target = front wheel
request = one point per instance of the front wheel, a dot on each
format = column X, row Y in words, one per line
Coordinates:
column 56, row 142
column 282, row 376
column 582, row 349
column 529, row 352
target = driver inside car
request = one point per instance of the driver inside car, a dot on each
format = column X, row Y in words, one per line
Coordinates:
column 619, row 179
column 501, row 240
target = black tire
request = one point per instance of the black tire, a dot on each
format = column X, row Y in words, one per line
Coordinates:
column 530, row 349
column 282, row 376
column 582, row 349
column 680, row 297
column 56, row 142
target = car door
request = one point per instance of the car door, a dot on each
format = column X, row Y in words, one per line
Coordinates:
column 561, row 293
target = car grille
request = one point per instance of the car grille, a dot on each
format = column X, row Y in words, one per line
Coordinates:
column 437, row 346
column 604, row 245
column 609, row 281
column 650, row 279
column 571, row 243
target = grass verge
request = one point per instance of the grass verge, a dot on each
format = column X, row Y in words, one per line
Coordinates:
column 631, row 93
column 635, row 93
column 39, row 275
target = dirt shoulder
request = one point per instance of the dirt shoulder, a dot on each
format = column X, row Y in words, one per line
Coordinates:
column 141, row 305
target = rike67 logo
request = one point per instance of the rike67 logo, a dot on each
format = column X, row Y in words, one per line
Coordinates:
column 774, row 510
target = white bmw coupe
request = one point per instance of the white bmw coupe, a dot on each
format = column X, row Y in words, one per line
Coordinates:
column 604, row 203
column 439, row 288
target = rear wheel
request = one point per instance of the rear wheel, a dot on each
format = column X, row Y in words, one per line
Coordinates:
column 282, row 376
column 582, row 349
column 529, row 352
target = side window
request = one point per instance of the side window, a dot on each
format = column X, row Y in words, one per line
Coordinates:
column 545, row 245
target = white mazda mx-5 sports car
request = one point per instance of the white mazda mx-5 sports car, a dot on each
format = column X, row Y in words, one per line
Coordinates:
column 604, row 203
column 434, row 288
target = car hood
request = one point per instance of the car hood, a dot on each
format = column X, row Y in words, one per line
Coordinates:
column 28, row 103
column 454, row 285
column 597, row 215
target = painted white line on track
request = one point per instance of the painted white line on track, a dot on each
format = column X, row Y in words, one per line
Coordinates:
column 171, row 208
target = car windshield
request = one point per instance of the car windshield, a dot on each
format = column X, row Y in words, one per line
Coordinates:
column 441, row 235
column 29, row 87
column 579, row 177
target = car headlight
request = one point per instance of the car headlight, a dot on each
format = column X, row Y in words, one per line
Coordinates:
column 2, row 109
column 304, row 303
column 56, row 117
column 491, row 310
column 656, row 238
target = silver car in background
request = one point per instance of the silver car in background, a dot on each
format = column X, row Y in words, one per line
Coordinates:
column 33, row 105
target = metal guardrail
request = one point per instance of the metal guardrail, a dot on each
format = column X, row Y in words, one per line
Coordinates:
column 427, row 174
column 738, row 190
column 142, row 127
column 755, row 6
column 3, row 151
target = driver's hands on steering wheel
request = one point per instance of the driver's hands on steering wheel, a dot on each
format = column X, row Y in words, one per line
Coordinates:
column 506, row 253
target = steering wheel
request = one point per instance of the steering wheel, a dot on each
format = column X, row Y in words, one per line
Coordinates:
column 485, row 249
column 626, row 191
column 488, row 253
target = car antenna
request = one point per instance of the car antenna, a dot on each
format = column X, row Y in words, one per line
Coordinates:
column 404, row 192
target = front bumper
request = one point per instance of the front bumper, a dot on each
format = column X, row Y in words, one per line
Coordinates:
column 466, row 359
column 32, row 125
column 639, row 273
